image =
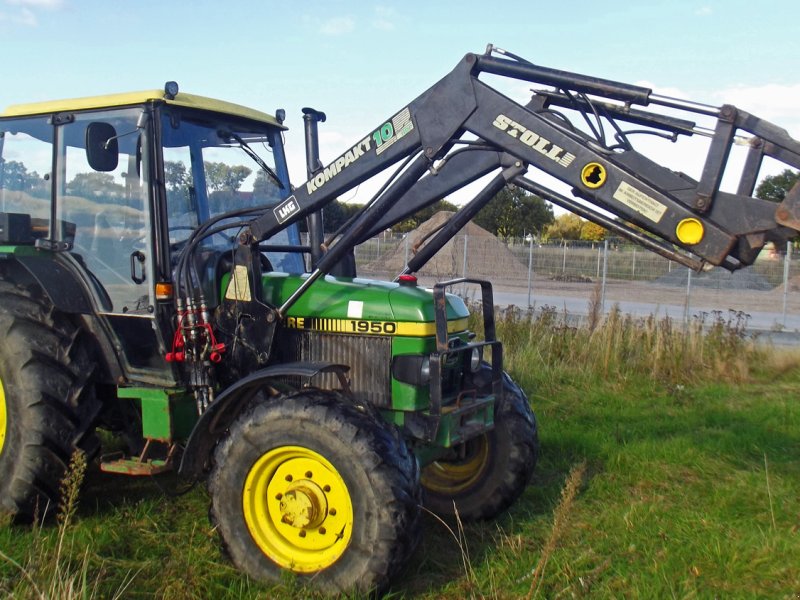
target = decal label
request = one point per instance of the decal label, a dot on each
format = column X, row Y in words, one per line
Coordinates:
column 286, row 209
column 336, row 167
column 393, row 130
column 342, row 325
column 381, row 139
column 534, row 141
column 640, row 202
column 363, row 326
column 355, row 309
column 239, row 285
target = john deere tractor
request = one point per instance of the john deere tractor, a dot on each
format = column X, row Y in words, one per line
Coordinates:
column 154, row 285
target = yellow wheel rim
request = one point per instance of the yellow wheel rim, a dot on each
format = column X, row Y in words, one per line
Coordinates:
column 3, row 416
column 298, row 509
column 450, row 478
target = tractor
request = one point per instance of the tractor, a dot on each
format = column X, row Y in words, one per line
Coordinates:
column 155, row 288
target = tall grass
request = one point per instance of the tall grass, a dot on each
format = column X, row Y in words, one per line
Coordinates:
column 54, row 569
column 689, row 437
column 544, row 347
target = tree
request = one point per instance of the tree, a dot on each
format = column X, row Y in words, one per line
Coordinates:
column 566, row 227
column 264, row 186
column 337, row 213
column 95, row 185
column 14, row 175
column 593, row 232
column 221, row 177
column 775, row 187
column 423, row 215
column 175, row 175
column 515, row 213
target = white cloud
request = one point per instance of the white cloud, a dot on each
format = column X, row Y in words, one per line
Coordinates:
column 51, row 4
column 385, row 18
column 338, row 26
column 23, row 16
column 22, row 12
column 774, row 102
column 703, row 11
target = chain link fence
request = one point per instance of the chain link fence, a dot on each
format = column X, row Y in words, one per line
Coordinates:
column 571, row 275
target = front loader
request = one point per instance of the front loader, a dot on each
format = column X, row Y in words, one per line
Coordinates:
column 153, row 284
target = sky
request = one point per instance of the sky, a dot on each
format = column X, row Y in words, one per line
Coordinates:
column 361, row 62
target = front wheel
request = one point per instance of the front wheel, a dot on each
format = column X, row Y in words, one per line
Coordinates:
column 311, row 485
column 492, row 470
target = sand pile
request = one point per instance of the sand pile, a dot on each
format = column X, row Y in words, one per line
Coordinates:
column 487, row 256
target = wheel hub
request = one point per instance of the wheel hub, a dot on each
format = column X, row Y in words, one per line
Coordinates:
column 298, row 509
column 304, row 505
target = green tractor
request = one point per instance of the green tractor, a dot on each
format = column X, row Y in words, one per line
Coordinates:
column 323, row 412
column 154, row 284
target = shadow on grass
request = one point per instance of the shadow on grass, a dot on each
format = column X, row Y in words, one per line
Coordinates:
column 439, row 562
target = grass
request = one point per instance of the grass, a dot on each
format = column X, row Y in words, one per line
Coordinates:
column 670, row 468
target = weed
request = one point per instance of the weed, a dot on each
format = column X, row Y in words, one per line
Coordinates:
column 51, row 572
column 561, row 516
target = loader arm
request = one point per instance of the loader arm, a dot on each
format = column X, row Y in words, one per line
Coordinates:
column 461, row 129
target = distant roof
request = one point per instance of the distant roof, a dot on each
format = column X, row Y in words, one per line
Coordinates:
column 131, row 98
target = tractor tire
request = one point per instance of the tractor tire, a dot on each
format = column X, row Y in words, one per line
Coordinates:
column 47, row 407
column 495, row 468
column 309, row 484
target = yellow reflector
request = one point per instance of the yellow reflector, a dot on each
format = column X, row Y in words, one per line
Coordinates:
column 163, row 291
column 593, row 175
column 689, row 231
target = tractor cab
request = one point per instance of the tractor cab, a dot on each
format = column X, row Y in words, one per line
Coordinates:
column 115, row 185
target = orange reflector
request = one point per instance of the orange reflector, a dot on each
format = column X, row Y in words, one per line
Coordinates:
column 164, row 291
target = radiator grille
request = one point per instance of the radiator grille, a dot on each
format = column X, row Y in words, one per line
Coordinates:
column 369, row 358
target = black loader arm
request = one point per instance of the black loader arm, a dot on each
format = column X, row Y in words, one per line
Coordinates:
column 462, row 129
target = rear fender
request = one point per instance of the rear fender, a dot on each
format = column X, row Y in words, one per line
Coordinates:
column 214, row 422
column 63, row 287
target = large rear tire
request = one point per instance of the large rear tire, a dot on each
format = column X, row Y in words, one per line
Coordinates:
column 494, row 468
column 47, row 407
column 314, row 486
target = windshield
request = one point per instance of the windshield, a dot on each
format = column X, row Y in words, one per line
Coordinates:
column 212, row 166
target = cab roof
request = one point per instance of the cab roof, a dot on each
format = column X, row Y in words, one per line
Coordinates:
column 133, row 98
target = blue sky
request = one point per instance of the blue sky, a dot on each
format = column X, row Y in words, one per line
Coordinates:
column 362, row 61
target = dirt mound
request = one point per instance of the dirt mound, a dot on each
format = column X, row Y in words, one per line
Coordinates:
column 794, row 285
column 718, row 279
column 487, row 256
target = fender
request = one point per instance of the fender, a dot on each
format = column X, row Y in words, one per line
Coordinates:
column 229, row 404
column 62, row 285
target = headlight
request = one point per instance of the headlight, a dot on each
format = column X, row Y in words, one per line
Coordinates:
column 425, row 370
column 414, row 369
column 475, row 360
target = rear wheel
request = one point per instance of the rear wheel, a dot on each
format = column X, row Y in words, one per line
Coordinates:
column 47, row 408
column 492, row 470
column 316, row 487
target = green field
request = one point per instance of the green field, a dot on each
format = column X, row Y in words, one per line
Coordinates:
column 684, row 450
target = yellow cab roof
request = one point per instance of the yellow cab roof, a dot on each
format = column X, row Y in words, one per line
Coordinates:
column 132, row 98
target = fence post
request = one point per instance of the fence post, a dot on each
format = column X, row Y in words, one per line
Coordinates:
column 599, row 254
column 405, row 249
column 530, row 269
column 464, row 265
column 564, row 259
column 786, row 262
column 687, row 306
column 633, row 265
column 605, row 274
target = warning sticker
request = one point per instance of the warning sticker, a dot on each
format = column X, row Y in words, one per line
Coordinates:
column 239, row 286
column 640, row 202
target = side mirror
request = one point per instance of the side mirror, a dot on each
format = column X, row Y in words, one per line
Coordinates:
column 102, row 149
